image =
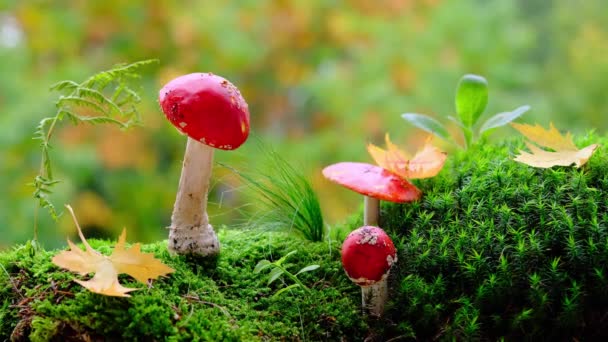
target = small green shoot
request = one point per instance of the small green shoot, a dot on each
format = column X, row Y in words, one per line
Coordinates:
column 277, row 269
column 471, row 98
column 104, row 98
column 471, row 101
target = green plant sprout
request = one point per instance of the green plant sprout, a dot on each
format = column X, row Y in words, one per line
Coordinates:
column 104, row 98
column 471, row 100
column 285, row 196
column 277, row 270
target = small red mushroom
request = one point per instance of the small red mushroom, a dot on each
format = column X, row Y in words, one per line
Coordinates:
column 375, row 183
column 212, row 113
column 367, row 257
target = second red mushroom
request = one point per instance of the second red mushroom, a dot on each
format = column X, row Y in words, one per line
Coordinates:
column 368, row 254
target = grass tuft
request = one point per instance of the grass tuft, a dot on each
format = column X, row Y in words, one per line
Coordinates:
column 284, row 197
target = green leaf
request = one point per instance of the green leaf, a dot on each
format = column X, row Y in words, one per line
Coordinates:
column 64, row 85
column 117, row 73
column 65, row 101
column 123, row 96
column 428, row 124
column 471, row 98
column 102, row 120
column 95, row 95
column 275, row 273
column 502, row 119
column 456, row 121
column 285, row 289
column 263, row 264
column 282, row 260
column 308, row 269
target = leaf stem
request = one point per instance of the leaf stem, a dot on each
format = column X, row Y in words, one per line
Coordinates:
column 293, row 277
column 468, row 136
column 44, row 169
column 84, row 241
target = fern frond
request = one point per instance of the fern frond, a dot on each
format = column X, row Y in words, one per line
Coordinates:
column 40, row 132
column 107, row 94
column 67, row 101
column 118, row 73
column 43, row 189
column 97, row 96
column 64, row 85
column 128, row 96
column 46, row 163
column 103, row 120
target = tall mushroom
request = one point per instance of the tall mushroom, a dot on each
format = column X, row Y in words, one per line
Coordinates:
column 213, row 114
column 367, row 257
column 375, row 183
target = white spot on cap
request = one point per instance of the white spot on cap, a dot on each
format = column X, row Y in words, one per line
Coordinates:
column 183, row 124
column 391, row 260
column 368, row 237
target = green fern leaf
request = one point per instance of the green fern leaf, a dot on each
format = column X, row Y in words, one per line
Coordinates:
column 64, row 85
column 67, row 101
column 95, row 93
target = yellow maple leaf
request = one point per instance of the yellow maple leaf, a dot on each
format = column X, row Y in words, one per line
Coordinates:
column 564, row 153
column 141, row 266
column 426, row 163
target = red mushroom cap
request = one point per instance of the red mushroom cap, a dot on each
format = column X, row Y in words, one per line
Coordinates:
column 367, row 255
column 208, row 108
column 372, row 181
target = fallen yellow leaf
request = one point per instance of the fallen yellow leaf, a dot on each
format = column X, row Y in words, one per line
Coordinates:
column 141, row 266
column 565, row 152
column 426, row 163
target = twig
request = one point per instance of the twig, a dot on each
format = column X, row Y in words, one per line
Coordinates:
column 197, row 299
column 11, row 280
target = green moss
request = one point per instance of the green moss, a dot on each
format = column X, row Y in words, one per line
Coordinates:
column 221, row 302
column 495, row 249
column 43, row 329
column 499, row 249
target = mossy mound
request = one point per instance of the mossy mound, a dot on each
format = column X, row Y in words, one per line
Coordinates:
column 497, row 249
column 494, row 250
column 221, row 302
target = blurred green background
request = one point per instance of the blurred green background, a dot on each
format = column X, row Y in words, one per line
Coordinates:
column 322, row 78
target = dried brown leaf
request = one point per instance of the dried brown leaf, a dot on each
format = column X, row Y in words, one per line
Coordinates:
column 141, row 266
column 565, row 152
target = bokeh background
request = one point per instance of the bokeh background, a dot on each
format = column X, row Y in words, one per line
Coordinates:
column 322, row 78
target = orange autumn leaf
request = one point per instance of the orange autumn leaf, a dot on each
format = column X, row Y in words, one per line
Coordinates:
column 141, row 266
column 564, row 153
column 426, row 163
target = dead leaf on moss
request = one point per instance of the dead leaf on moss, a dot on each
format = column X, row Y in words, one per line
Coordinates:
column 426, row 163
column 141, row 266
column 564, row 153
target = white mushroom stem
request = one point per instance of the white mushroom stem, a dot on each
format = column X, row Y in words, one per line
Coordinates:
column 371, row 211
column 190, row 231
column 374, row 297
